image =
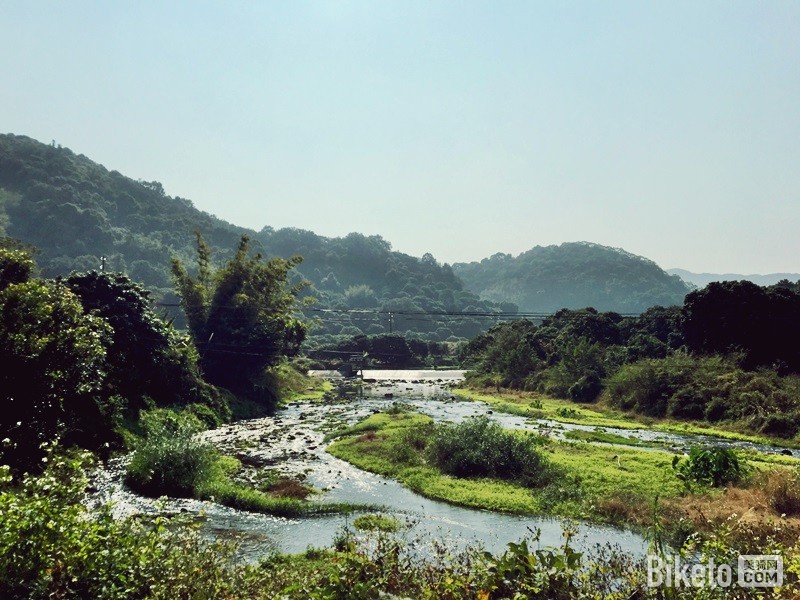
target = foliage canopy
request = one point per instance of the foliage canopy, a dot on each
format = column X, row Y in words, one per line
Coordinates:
column 242, row 317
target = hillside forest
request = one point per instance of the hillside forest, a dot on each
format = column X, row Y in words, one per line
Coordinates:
column 74, row 211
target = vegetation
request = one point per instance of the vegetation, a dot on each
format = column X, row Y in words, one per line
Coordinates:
column 573, row 275
column 713, row 467
column 88, row 361
column 728, row 356
column 709, row 389
column 480, row 447
column 171, row 461
column 52, row 546
column 242, row 318
column 53, row 355
column 569, row 479
column 147, row 361
column 82, row 357
column 760, row 323
column 76, row 211
column 374, row 522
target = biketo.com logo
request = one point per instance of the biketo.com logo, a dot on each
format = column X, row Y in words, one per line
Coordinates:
column 750, row 571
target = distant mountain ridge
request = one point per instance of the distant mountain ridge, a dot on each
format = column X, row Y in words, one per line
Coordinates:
column 703, row 279
column 75, row 211
column 573, row 275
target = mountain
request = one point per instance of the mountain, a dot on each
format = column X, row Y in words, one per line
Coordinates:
column 701, row 280
column 573, row 275
column 75, row 211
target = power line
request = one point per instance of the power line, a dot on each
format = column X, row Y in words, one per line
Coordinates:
column 427, row 313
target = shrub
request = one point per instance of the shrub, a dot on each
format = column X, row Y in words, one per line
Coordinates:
column 51, row 546
column 479, row 447
column 782, row 489
column 375, row 522
column 713, row 388
column 710, row 466
column 171, row 462
column 586, row 389
column 781, row 425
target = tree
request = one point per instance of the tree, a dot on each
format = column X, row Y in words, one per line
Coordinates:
column 242, row 317
column 147, row 359
column 16, row 266
column 53, row 357
column 761, row 324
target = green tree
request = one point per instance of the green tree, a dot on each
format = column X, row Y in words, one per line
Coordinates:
column 759, row 323
column 53, row 357
column 147, row 359
column 16, row 266
column 242, row 317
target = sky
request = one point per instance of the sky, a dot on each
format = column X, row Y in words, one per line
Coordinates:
column 668, row 128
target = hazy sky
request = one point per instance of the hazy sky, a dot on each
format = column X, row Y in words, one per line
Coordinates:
column 670, row 129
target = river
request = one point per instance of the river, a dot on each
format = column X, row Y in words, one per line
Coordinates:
column 292, row 442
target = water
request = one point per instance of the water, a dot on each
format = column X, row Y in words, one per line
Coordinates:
column 292, row 443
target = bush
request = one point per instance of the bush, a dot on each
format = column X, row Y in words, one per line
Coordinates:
column 781, row 425
column 586, row 389
column 710, row 466
column 783, row 490
column 51, row 546
column 171, row 462
column 710, row 388
column 479, row 447
column 377, row 522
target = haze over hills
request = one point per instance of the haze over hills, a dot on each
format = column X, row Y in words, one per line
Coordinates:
column 703, row 279
column 75, row 210
column 573, row 275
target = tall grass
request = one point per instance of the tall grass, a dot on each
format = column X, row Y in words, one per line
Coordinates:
column 171, row 461
column 480, row 447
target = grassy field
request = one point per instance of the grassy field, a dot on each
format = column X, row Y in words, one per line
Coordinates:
column 597, row 482
column 589, row 474
column 538, row 406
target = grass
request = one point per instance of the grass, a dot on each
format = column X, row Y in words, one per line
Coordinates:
column 599, row 483
column 590, row 474
column 235, row 495
column 293, row 385
column 602, row 437
column 538, row 406
column 380, row 421
column 314, row 392
column 377, row 522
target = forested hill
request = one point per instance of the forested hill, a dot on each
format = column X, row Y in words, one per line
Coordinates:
column 573, row 275
column 75, row 211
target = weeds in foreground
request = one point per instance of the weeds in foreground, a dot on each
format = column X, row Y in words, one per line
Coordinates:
column 52, row 546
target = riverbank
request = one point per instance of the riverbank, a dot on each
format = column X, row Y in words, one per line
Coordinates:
column 539, row 406
column 597, row 482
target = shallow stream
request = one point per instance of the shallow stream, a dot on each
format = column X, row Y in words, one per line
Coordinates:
column 292, row 442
